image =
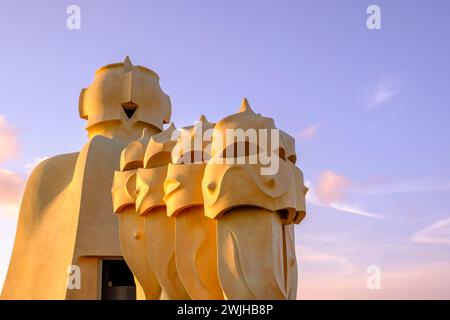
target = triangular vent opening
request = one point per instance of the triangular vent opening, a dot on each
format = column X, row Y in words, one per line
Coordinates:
column 129, row 108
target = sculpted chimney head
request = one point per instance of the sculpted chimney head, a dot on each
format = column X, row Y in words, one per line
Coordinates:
column 122, row 100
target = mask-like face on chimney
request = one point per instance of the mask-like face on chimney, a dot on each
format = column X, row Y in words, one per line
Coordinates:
column 124, row 97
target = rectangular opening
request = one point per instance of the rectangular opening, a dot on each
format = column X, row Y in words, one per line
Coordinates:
column 117, row 281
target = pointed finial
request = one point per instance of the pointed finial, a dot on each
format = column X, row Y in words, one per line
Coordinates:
column 245, row 106
column 203, row 118
column 171, row 126
column 165, row 134
column 127, row 60
column 127, row 63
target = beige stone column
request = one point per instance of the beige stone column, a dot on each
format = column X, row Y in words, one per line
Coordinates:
column 159, row 228
column 131, row 224
column 254, row 211
column 195, row 234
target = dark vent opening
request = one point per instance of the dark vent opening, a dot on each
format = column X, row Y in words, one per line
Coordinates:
column 130, row 109
column 117, row 281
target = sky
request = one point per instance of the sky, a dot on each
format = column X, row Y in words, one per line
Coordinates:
column 369, row 110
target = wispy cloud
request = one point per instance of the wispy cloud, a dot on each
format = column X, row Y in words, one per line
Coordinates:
column 8, row 140
column 329, row 192
column 342, row 207
column 332, row 190
column 403, row 187
column 436, row 233
column 11, row 183
column 384, row 90
column 11, row 186
column 308, row 132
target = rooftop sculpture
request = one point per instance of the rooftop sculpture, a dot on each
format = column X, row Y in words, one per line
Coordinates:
column 204, row 212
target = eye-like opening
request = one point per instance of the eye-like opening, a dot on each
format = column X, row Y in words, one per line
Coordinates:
column 240, row 149
column 129, row 108
column 160, row 159
column 194, row 156
column 125, row 206
column 132, row 165
column 292, row 158
column 284, row 214
column 282, row 153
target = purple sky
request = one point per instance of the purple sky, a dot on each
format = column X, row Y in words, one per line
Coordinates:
column 369, row 110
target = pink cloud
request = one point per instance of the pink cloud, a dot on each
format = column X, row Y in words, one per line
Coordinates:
column 11, row 186
column 8, row 140
column 330, row 191
column 309, row 132
column 331, row 187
